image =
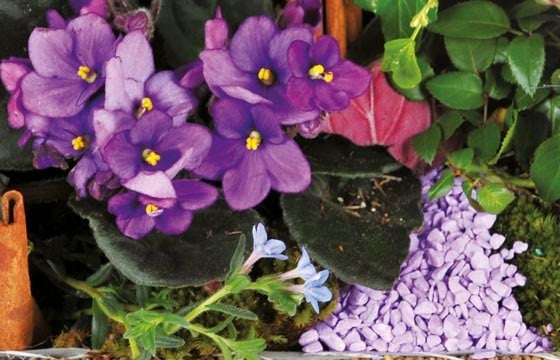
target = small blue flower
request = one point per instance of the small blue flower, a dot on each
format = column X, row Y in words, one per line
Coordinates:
column 267, row 248
column 314, row 290
column 304, row 268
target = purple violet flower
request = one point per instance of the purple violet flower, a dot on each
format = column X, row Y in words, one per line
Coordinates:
column 137, row 214
column 68, row 64
column 136, row 20
column 153, row 145
column 133, row 87
column 321, row 79
column 303, row 12
column 12, row 71
column 251, row 155
column 263, row 247
column 98, row 7
column 314, row 290
column 255, row 67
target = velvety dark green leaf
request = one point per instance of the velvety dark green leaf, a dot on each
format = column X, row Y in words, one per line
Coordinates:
column 180, row 23
column 450, row 122
column 532, row 129
column 335, row 155
column 523, row 101
column 471, row 55
column 426, row 143
column 495, row 86
column 416, row 93
column 400, row 59
column 200, row 255
column 485, row 141
column 526, row 56
column 462, row 158
column 545, row 170
column 442, row 186
column 100, row 276
column 458, row 90
column 477, row 19
column 369, row 5
column 99, row 326
column 396, row 15
column 363, row 244
column 494, row 198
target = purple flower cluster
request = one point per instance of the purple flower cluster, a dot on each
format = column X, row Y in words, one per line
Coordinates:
column 454, row 293
column 89, row 98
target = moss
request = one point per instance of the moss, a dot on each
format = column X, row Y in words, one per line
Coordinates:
column 535, row 223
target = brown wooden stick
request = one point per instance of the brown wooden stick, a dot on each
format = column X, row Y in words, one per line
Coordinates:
column 16, row 303
column 353, row 21
column 336, row 22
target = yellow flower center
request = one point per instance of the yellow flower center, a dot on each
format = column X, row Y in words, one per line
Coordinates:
column 152, row 210
column 80, row 142
column 146, row 105
column 151, row 157
column 86, row 74
column 266, row 76
column 253, row 141
column 318, row 72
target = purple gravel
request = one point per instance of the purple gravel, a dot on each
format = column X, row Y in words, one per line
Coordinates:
column 454, row 293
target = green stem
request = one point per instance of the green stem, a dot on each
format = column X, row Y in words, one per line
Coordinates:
column 203, row 306
column 84, row 287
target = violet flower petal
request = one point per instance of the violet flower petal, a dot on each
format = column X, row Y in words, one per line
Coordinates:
column 249, row 45
column 246, row 185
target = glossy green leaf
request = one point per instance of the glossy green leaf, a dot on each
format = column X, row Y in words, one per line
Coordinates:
column 180, row 23
column 545, row 170
column 442, row 186
column 416, row 93
column 476, row 19
column 471, row 55
column 364, row 244
column 426, row 143
column 396, row 15
column 495, row 86
column 458, row 90
column 200, row 255
column 551, row 109
column 400, row 59
column 502, row 43
column 523, row 101
column 369, row 5
column 485, row 141
column 526, row 56
column 532, row 129
column 463, row 158
column 449, row 123
column 336, row 155
column 494, row 198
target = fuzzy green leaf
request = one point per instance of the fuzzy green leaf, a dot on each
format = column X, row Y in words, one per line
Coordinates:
column 338, row 156
column 494, row 198
column 471, row 55
column 361, row 246
column 545, row 170
column 238, row 283
column 476, row 19
column 200, row 255
column 169, row 341
column 426, row 143
column 485, row 141
column 396, row 15
column 234, row 311
column 442, row 186
column 458, row 90
column 400, row 59
column 526, row 60
column 449, row 123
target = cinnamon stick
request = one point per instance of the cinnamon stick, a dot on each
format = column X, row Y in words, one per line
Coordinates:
column 16, row 303
column 353, row 21
column 336, row 22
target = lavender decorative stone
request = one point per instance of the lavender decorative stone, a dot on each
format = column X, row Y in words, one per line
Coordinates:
column 454, row 293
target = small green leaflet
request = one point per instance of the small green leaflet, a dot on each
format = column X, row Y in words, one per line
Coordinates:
column 442, row 186
column 426, row 143
column 494, row 198
column 458, row 90
column 485, row 141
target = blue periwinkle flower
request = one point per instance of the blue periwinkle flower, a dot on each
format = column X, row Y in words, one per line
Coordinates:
column 263, row 247
column 314, row 290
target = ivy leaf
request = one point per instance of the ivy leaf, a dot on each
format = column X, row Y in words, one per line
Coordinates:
column 396, row 15
column 442, row 186
column 365, row 247
column 471, row 55
column 400, row 59
column 545, row 170
column 476, row 19
column 458, row 90
column 200, row 255
column 485, row 141
column 494, row 198
column 426, row 143
column 526, row 60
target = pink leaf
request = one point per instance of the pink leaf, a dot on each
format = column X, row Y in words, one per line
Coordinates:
column 382, row 116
